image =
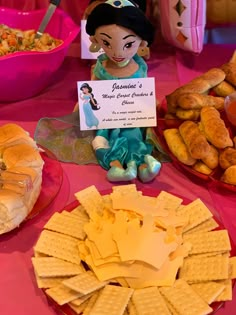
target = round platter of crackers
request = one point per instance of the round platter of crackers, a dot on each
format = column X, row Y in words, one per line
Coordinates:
column 194, row 129
column 126, row 251
column 30, row 177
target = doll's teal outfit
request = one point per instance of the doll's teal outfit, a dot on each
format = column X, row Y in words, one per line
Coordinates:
column 127, row 145
column 90, row 119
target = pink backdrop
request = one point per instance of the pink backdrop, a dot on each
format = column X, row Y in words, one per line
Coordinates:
column 74, row 7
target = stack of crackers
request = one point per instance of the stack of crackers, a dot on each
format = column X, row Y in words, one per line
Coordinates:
column 128, row 253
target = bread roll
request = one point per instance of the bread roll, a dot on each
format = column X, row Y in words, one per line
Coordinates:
column 22, row 155
column 201, row 85
column 195, row 141
column 26, row 181
column 12, row 134
column 214, row 128
column 212, row 158
column 21, row 176
column 229, row 175
column 177, row 146
column 197, row 101
column 223, row 89
column 12, row 210
column 227, row 158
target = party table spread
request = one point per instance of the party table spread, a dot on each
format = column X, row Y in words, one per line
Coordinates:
column 19, row 294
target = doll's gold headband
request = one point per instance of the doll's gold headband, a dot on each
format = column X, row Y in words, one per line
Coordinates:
column 120, row 3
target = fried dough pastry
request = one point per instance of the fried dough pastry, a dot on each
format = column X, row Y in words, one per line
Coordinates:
column 230, row 72
column 187, row 114
column 201, row 167
column 234, row 140
column 195, row 141
column 223, row 89
column 212, row 158
column 177, row 146
column 214, row 128
column 202, row 84
column 197, row 101
column 229, row 175
column 227, row 158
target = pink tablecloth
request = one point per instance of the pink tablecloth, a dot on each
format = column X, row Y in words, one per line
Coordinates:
column 18, row 291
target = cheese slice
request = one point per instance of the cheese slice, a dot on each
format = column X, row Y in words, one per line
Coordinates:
column 136, row 244
column 166, row 276
column 142, row 205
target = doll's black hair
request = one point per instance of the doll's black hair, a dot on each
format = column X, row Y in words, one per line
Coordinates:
column 85, row 85
column 130, row 17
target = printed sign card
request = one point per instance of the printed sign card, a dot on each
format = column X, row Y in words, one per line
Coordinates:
column 124, row 103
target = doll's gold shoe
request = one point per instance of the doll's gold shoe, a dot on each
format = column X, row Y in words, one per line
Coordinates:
column 116, row 174
column 150, row 170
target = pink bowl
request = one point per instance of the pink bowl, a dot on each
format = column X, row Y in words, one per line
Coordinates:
column 25, row 74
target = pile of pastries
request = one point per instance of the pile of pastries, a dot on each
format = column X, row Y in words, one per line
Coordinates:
column 203, row 140
column 21, row 167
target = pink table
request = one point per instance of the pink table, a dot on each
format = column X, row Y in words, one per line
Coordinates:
column 18, row 291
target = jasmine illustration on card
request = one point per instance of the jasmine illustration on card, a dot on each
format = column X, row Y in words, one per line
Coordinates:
column 106, row 104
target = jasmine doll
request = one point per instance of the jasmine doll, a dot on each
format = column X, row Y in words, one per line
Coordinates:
column 121, row 28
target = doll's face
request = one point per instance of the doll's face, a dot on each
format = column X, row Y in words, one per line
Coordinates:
column 120, row 44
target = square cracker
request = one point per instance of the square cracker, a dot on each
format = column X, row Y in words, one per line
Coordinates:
column 197, row 212
column 58, row 245
column 67, row 224
column 184, row 299
column 79, row 309
column 226, row 294
column 206, row 226
column 232, row 267
column 84, row 283
column 208, row 291
column 149, row 301
column 208, row 242
column 54, row 267
column 91, row 200
column 118, row 298
column 200, row 269
column 62, row 294
column 167, row 201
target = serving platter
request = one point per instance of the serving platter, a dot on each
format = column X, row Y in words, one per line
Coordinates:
column 52, row 177
column 67, row 310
